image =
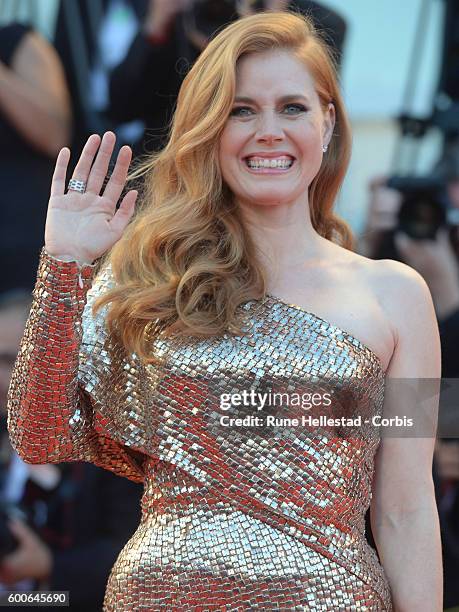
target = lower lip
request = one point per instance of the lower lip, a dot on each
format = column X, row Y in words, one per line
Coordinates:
column 268, row 170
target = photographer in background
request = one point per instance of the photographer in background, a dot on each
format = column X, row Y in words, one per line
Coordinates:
column 418, row 223
column 420, row 226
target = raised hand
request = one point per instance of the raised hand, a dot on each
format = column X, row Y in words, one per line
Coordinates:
column 83, row 226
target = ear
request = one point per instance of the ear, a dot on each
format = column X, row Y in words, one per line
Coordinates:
column 329, row 123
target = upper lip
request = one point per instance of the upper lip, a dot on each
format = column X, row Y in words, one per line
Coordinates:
column 269, row 155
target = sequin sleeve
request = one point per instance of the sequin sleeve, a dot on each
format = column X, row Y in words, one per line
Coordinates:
column 50, row 413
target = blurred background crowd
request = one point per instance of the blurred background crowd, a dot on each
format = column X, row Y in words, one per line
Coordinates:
column 74, row 67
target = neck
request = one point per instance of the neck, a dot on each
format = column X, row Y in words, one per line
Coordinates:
column 283, row 236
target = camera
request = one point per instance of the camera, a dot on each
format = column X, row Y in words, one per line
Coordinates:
column 424, row 207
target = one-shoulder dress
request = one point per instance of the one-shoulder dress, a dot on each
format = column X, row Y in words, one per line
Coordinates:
column 268, row 515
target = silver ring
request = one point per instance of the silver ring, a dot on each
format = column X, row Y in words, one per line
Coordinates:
column 77, row 185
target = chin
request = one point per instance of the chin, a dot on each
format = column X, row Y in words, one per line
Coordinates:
column 270, row 198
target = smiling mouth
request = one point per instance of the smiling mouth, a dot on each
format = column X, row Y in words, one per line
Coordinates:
column 268, row 165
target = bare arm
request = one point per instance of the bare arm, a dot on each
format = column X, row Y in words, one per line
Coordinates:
column 404, row 516
column 34, row 95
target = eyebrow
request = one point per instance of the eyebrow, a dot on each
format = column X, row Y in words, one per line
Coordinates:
column 286, row 98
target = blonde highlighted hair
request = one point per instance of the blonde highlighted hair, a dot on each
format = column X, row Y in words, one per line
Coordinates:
column 186, row 261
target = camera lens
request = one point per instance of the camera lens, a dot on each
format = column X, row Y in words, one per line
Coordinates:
column 421, row 216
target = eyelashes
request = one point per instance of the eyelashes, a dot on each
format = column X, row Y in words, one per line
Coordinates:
column 236, row 111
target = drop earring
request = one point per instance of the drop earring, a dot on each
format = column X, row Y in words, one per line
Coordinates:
column 324, row 148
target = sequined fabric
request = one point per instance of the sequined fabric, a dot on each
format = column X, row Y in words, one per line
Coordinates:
column 264, row 517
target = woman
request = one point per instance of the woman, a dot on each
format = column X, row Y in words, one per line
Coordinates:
column 235, row 277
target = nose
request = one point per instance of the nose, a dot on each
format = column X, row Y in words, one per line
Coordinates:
column 269, row 128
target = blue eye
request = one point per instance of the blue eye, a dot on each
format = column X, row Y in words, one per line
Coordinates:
column 236, row 111
column 299, row 107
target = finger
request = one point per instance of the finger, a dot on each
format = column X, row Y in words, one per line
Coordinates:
column 84, row 164
column 117, row 180
column 100, row 166
column 124, row 213
column 60, row 172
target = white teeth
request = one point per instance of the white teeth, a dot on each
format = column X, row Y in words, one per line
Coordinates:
column 269, row 163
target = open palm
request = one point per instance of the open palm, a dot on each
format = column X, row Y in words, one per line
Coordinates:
column 82, row 226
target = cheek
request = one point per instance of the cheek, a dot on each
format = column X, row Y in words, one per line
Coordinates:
column 223, row 161
column 233, row 139
column 308, row 140
column 230, row 149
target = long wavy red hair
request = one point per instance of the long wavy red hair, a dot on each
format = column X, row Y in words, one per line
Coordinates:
column 186, row 261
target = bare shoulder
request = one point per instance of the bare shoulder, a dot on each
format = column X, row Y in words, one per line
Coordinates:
column 36, row 56
column 394, row 274
column 32, row 47
column 386, row 275
column 407, row 303
column 394, row 284
column 397, row 285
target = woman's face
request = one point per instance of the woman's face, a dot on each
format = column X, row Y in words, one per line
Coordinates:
column 271, row 147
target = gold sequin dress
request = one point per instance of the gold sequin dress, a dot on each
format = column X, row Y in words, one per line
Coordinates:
column 263, row 517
